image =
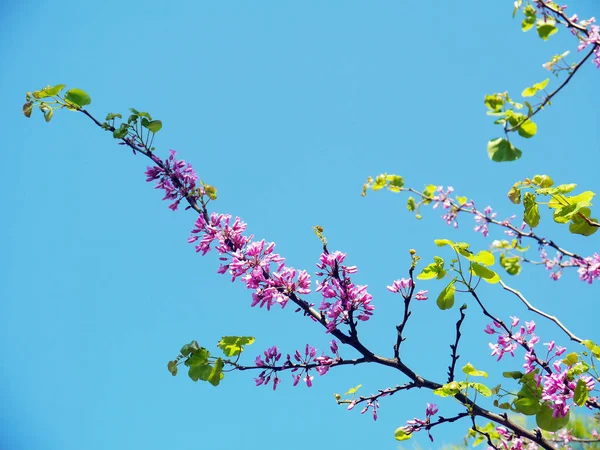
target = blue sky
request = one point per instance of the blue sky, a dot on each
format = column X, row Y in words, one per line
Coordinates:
column 286, row 108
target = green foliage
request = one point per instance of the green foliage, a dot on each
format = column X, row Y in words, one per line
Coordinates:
column 204, row 367
column 547, row 422
column 446, row 298
column 532, row 90
column 531, row 215
column 392, row 182
column 546, row 27
column 574, row 209
column 433, row 270
column 77, row 97
column 512, row 264
column 486, row 274
column 401, row 434
column 470, row 370
column 234, row 345
column 353, row 390
column 502, row 150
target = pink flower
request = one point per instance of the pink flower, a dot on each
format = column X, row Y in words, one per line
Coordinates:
column 421, row 295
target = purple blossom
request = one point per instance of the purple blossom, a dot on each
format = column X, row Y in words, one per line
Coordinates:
column 176, row 178
column 483, row 220
column 421, row 295
column 343, row 301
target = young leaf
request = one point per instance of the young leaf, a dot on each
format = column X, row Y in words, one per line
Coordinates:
column 446, row 298
column 581, row 393
column 353, row 390
column 482, row 389
column 472, row 371
column 487, row 274
column 234, row 345
column 547, row 422
column 78, row 97
column 216, row 374
column 531, row 216
column 501, row 150
column 546, row 28
column 402, row 435
column 532, row 90
column 579, row 224
column 527, row 405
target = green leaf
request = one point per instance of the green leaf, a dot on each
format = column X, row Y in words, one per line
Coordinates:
column 570, row 359
column 210, row 191
column 546, row 422
column 487, row 274
column 27, row 108
column 446, row 298
column 433, row 270
column 401, row 435
column 234, row 345
column 172, row 367
column 546, row 28
column 111, row 116
column 395, row 182
column 494, row 102
column 353, row 390
column 484, row 257
column 48, row 113
column 198, row 359
column 588, row 344
column 527, row 129
column 527, row 405
column 472, row 371
column 583, row 199
column 216, row 374
column 200, row 372
column 449, row 389
column 532, row 90
column 121, row 132
column 501, row 150
column 512, row 264
column 515, row 375
column 379, row 183
column 155, row 126
column 410, row 204
column 481, row 388
column 529, row 19
column 78, row 97
column 581, row 393
column 49, row 91
column 580, row 226
column 531, row 216
column 514, row 195
column 443, row 242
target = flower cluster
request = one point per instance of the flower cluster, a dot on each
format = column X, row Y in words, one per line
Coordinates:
column 589, row 268
column 176, row 177
column 416, row 424
column 300, row 364
column 483, row 220
column 372, row 404
column 272, row 355
column 593, row 38
column 508, row 342
column 404, row 287
column 254, row 262
column 560, row 376
column 341, row 298
column 443, row 198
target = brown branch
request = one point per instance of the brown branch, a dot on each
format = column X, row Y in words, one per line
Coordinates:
column 532, row 308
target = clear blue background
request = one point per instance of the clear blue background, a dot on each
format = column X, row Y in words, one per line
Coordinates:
column 286, row 107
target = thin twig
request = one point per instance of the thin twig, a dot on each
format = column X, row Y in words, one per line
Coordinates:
column 532, row 308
